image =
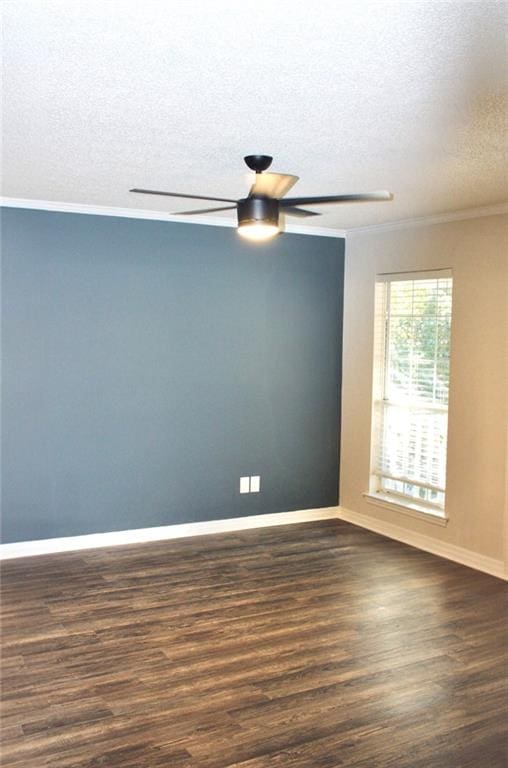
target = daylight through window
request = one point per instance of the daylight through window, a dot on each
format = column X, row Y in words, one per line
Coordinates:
column 411, row 382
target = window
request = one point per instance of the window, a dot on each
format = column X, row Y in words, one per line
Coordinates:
column 411, row 379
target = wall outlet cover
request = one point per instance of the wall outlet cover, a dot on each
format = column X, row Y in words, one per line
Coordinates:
column 245, row 485
column 255, row 483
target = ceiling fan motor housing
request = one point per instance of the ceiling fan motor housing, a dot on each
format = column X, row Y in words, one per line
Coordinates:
column 254, row 210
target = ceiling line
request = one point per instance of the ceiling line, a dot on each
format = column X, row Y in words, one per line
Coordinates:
column 139, row 213
column 436, row 218
column 218, row 221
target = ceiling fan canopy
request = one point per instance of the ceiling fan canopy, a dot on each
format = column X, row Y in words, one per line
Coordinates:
column 259, row 212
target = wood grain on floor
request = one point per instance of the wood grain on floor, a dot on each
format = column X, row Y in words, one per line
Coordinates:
column 303, row 646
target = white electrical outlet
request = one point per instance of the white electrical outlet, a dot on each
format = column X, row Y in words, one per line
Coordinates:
column 255, row 483
column 245, row 485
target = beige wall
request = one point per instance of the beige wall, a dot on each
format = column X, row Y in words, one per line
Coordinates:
column 477, row 252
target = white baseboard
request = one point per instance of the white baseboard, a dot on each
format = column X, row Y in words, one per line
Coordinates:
column 140, row 535
column 429, row 544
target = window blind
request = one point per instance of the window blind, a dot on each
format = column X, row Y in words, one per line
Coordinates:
column 412, row 364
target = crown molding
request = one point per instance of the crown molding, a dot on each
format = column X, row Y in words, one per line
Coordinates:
column 425, row 221
column 218, row 221
column 140, row 213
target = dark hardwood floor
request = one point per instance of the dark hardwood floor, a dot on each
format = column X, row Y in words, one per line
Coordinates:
column 314, row 645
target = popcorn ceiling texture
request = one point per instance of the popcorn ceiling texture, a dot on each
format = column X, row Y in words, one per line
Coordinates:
column 351, row 96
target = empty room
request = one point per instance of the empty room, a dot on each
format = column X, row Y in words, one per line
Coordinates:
column 254, row 384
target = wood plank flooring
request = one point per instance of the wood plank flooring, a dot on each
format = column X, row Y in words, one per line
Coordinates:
column 303, row 646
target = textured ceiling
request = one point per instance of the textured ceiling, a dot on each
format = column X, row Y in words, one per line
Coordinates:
column 409, row 96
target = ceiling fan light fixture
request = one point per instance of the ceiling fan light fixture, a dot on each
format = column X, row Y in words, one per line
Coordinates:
column 258, row 230
column 258, row 218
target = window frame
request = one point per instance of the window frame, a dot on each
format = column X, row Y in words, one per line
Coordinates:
column 376, row 494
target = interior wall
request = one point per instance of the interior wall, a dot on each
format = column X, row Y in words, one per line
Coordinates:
column 147, row 365
column 476, row 251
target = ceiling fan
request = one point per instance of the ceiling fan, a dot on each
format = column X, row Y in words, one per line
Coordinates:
column 258, row 213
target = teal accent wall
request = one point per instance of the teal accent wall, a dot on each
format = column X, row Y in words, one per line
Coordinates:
column 147, row 365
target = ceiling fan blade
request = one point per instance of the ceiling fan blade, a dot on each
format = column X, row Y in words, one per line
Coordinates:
column 366, row 197
column 301, row 213
column 274, row 185
column 180, row 194
column 204, row 210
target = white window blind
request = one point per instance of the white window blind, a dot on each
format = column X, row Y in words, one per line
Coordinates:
column 411, row 378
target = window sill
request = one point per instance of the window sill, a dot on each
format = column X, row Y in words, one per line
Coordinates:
column 419, row 512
